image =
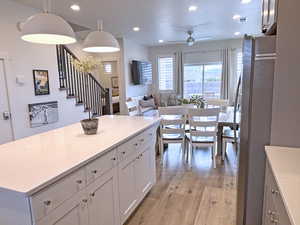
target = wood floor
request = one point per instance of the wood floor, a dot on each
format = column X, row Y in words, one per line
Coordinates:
column 190, row 194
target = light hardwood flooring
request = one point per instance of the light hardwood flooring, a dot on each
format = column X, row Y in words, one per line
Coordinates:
column 193, row 193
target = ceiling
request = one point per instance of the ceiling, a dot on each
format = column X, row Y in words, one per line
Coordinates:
column 160, row 19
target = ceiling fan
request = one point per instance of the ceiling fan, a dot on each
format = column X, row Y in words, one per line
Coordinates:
column 191, row 40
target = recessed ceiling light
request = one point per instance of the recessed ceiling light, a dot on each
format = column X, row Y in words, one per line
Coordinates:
column 236, row 17
column 237, row 33
column 245, row 1
column 136, row 29
column 161, row 41
column 75, row 7
column 193, row 8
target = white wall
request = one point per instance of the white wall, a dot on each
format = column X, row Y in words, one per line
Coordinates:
column 209, row 51
column 24, row 57
column 131, row 51
column 286, row 97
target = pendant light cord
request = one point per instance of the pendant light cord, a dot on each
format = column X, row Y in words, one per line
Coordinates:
column 100, row 25
column 47, row 6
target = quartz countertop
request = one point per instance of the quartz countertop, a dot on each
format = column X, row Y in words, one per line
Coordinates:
column 285, row 165
column 31, row 163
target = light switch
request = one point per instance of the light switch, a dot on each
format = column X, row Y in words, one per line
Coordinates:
column 20, row 80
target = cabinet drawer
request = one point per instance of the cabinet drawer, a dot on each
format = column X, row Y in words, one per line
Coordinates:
column 101, row 165
column 128, row 148
column 51, row 197
column 147, row 137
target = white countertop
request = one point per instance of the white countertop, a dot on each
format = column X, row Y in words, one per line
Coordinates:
column 28, row 164
column 285, row 164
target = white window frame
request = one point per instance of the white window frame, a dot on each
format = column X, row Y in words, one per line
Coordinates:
column 203, row 72
column 174, row 73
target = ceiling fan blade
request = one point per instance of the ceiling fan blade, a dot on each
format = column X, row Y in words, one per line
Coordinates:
column 203, row 38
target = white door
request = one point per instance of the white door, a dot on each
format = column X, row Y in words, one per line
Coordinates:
column 5, row 120
column 103, row 202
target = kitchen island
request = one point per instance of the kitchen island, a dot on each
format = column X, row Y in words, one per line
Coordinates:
column 64, row 177
column 282, row 186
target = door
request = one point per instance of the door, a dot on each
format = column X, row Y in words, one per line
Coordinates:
column 127, row 186
column 143, row 168
column 5, row 122
column 103, row 202
column 72, row 212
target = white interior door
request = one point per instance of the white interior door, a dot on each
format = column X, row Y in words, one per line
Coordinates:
column 6, row 134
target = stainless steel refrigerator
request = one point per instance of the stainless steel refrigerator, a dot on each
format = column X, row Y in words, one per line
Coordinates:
column 259, row 56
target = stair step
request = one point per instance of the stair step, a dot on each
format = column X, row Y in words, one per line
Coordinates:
column 79, row 103
column 63, row 89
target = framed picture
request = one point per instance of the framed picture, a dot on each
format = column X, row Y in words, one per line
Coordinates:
column 41, row 82
column 41, row 114
column 115, row 82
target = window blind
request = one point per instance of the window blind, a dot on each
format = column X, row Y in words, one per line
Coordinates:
column 166, row 73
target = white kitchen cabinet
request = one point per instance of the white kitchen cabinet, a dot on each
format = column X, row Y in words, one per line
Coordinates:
column 127, row 187
column 274, row 209
column 93, row 180
column 143, row 172
column 72, row 212
column 103, row 200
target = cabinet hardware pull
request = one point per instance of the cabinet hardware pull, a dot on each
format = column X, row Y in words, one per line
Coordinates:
column 47, row 203
column 136, row 144
column 79, row 181
column 94, row 171
column 92, row 194
column 273, row 220
column 114, row 158
column 275, row 192
column 123, row 153
column 84, row 200
column 270, row 212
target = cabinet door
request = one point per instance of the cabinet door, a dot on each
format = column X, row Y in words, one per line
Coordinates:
column 103, row 202
column 127, row 187
column 143, row 168
column 72, row 212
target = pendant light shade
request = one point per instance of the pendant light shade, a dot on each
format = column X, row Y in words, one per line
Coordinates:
column 47, row 28
column 100, row 41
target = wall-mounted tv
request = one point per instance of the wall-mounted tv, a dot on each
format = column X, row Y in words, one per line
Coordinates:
column 141, row 72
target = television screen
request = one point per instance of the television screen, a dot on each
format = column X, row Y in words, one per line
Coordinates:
column 141, row 72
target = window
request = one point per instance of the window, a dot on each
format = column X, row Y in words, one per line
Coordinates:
column 107, row 68
column 166, row 73
column 239, row 60
column 147, row 72
column 202, row 79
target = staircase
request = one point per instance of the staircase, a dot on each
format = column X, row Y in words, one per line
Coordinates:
column 82, row 87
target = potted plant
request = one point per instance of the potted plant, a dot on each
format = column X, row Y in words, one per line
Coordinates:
column 87, row 65
column 195, row 100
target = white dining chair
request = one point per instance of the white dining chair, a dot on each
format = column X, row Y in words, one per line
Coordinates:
column 203, row 129
column 172, row 127
column 229, row 136
column 132, row 108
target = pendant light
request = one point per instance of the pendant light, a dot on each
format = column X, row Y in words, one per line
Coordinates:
column 100, row 41
column 47, row 28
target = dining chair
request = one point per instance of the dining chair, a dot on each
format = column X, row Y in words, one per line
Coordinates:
column 203, row 128
column 172, row 127
column 132, row 108
column 229, row 136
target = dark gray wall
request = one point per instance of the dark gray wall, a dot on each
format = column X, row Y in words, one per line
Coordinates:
column 286, row 95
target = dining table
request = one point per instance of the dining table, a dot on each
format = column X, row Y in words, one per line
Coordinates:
column 226, row 120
